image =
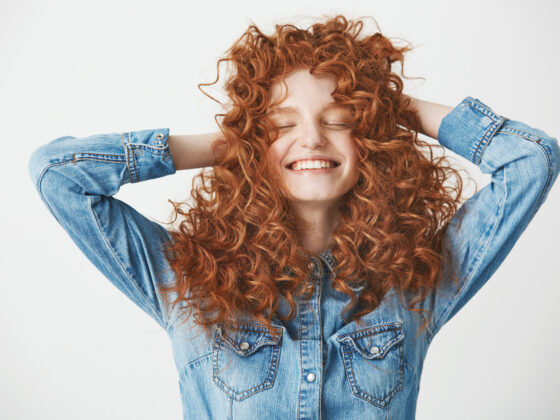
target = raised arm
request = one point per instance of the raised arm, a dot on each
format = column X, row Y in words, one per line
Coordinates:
column 77, row 177
column 192, row 151
column 430, row 114
column 523, row 162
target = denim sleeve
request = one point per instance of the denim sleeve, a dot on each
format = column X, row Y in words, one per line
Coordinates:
column 76, row 179
column 524, row 163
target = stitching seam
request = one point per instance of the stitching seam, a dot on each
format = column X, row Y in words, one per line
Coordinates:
column 126, row 151
column 162, row 321
column 480, row 258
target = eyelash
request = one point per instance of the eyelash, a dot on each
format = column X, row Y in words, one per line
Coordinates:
column 332, row 124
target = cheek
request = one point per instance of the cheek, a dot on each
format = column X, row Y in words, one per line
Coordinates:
column 273, row 155
column 277, row 151
column 354, row 151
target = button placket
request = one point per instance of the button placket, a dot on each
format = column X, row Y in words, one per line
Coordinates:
column 315, row 267
column 316, row 272
column 310, row 342
column 312, row 266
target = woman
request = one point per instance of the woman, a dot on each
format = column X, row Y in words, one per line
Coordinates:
column 325, row 248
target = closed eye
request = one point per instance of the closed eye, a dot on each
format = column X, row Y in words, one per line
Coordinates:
column 338, row 125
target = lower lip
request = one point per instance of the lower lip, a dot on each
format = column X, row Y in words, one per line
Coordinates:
column 314, row 171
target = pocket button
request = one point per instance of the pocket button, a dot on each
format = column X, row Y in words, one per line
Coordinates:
column 486, row 121
column 244, row 345
column 374, row 349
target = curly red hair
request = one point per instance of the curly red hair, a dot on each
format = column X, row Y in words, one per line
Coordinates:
column 234, row 244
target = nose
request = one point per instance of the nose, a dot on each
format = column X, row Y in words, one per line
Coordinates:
column 312, row 135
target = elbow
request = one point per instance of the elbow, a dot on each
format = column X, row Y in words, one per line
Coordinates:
column 544, row 170
column 38, row 161
column 46, row 155
column 550, row 164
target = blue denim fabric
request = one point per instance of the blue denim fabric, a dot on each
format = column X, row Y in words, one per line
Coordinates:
column 318, row 366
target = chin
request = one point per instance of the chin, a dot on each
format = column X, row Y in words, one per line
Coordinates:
column 302, row 198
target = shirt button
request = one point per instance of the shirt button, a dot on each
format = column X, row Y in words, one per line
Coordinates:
column 486, row 121
column 310, row 377
column 312, row 266
column 159, row 136
column 244, row 345
column 374, row 349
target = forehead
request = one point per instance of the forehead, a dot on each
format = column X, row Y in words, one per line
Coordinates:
column 301, row 84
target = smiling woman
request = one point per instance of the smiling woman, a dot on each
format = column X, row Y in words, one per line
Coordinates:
column 297, row 97
column 324, row 249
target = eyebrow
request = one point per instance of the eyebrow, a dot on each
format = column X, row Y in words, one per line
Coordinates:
column 288, row 109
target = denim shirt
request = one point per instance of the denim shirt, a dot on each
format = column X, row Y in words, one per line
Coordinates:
column 317, row 366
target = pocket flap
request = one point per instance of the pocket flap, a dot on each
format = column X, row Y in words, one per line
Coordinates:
column 247, row 338
column 374, row 342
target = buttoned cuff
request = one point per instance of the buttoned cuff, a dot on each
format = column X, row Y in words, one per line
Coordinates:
column 468, row 129
column 147, row 154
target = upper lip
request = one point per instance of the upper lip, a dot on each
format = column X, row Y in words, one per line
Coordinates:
column 311, row 157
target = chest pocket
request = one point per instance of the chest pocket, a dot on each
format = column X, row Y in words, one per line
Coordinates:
column 373, row 361
column 245, row 360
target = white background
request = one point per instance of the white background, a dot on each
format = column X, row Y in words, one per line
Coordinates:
column 73, row 347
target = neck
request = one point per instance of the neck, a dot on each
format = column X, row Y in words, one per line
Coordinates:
column 315, row 226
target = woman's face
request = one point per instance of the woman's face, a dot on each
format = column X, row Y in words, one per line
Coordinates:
column 313, row 131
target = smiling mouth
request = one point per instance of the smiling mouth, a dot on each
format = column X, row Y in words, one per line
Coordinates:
column 317, row 171
column 294, row 167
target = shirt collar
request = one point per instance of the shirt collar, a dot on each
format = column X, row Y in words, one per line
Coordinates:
column 329, row 258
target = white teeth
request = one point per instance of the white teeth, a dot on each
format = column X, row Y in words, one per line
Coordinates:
column 312, row 164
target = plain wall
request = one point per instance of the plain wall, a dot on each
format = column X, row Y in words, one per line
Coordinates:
column 74, row 347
